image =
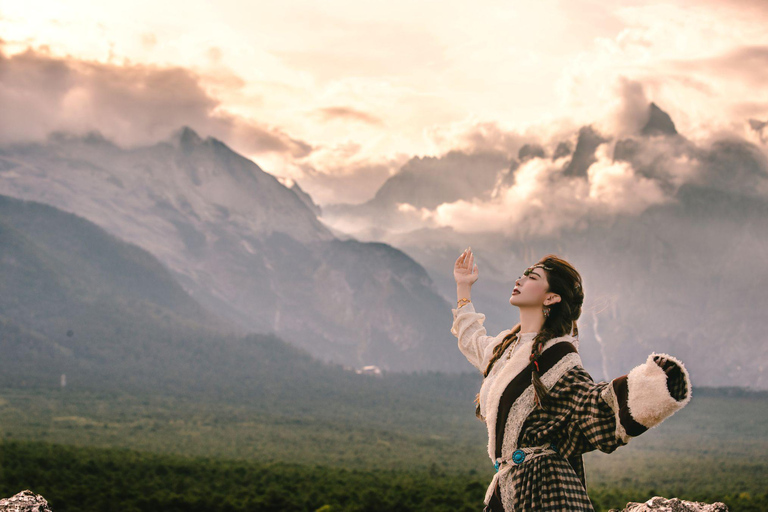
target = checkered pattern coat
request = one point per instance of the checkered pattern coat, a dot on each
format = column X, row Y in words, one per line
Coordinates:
column 582, row 415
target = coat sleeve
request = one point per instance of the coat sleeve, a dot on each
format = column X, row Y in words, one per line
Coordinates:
column 606, row 415
column 474, row 342
column 651, row 392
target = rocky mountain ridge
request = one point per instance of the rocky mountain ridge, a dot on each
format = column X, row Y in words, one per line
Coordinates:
column 244, row 246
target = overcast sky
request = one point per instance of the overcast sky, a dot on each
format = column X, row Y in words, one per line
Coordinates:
column 339, row 94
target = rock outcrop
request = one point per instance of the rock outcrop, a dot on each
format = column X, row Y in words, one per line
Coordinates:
column 28, row 501
column 659, row 504
column 25, row 501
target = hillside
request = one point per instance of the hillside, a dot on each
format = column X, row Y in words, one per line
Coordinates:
column 244, row 246
column 78, row 301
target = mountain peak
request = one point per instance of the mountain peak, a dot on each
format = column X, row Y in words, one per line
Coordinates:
column 584, row 154
column 659, row 123
column 305, row 198
column 529, row 151
column 757, row 125
column 185, row 137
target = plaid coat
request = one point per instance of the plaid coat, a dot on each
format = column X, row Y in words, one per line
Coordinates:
column 580, row 416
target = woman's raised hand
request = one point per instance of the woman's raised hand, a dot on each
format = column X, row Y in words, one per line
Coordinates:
column 465, row 271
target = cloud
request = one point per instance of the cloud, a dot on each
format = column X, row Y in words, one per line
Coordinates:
column 353, row 184
column 480, row 137
column 751, row 9
column 133, row 105
column 346, row 114
column 343, row 174
column 746, row 64
column 624, row 177
column 130, row 104
column 543, row 201
column 629, row 112
column 618, row 170
column 337, row 45
column 148, row 40
column 535, row 204
column 252, row 138
column 615, row 188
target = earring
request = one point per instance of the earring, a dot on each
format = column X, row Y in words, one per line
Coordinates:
column 546, row 311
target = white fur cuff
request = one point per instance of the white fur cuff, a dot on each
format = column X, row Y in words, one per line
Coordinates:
column 648, row 397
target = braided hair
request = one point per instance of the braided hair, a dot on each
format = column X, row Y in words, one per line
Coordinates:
column 565, row 281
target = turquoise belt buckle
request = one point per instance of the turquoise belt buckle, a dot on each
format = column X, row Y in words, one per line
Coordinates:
column 518, row 456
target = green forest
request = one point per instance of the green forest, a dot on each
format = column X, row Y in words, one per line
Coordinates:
column 106, row 451
column 91, row 479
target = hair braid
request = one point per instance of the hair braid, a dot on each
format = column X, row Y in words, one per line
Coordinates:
column 501, row 347
column 498, row 350
column 540, row 391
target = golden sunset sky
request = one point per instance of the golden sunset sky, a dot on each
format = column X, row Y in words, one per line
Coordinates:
column 339, row 94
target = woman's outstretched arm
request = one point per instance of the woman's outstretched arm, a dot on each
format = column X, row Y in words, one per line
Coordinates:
column 606, row 415
column 467, row 326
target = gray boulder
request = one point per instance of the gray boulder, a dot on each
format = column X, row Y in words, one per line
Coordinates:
column 659, row 504
column 25, row 501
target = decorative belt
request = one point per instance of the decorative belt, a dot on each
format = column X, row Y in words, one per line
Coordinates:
column 519, row 456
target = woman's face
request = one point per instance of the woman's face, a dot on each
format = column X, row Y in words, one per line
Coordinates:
column 530, row 288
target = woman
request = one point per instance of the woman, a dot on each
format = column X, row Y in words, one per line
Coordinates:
column 542, row 409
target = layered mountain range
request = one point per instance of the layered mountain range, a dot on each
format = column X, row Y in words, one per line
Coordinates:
column 685, row 275
column 243, row 245
column 82, row 310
